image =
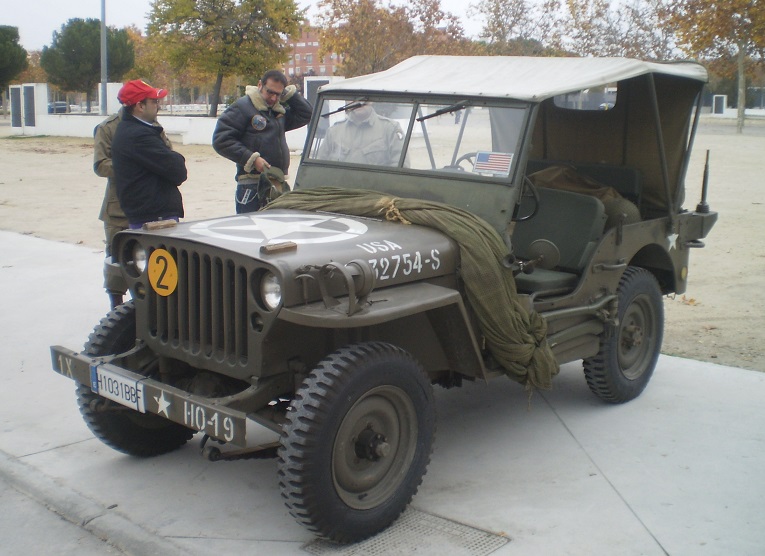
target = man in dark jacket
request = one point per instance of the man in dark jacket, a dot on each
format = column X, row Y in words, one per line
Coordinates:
column 147, row 173
column 251, row 132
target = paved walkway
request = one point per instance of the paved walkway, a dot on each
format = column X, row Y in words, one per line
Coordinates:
column 677, row 471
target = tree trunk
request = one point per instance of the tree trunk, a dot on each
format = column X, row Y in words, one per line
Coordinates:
column 216, row 96
column 741, row 105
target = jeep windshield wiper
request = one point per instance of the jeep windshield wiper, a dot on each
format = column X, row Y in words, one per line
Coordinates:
column 353, row 105
column 448, row 110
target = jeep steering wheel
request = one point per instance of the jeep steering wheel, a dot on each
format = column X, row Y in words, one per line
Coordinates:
column 529, row 191
column 457, row 164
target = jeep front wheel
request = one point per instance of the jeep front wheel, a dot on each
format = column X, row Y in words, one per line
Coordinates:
column 627, row 357
column 357, row 441
column 121, row 428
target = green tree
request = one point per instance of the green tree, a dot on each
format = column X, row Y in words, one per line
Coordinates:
column 151, row 65
column 722, row 29
column 224, row 37
column 13, row 58
column 73, row 61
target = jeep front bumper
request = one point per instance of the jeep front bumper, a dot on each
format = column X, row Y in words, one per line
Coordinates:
column 147, row 395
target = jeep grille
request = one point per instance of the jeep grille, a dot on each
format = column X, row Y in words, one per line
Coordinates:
column 207, row 315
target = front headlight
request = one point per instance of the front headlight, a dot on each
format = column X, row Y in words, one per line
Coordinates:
column 133, row 258
column 271, row 291
column 139, row 257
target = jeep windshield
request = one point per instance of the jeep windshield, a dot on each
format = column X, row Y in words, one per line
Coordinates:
column 444, row 136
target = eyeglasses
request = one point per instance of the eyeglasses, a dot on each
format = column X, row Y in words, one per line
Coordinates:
column 271, row 93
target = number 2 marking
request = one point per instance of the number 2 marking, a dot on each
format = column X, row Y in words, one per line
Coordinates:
column 160, row 285
column 163, row 272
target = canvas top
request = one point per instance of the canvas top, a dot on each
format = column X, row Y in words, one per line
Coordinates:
column 518, row 77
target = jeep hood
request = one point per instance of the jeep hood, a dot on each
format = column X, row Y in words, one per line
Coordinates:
column 315, row 238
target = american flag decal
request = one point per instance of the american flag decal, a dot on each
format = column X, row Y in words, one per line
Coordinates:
column 496, row 164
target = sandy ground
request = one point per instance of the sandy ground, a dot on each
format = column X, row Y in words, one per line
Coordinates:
column 48, row 190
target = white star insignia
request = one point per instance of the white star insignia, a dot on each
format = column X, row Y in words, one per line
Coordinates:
column 299, row 228
column 162, row 404
column 672, row 240
column 276, row 228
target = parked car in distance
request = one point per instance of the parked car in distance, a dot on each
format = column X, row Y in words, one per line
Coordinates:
column 58, row 107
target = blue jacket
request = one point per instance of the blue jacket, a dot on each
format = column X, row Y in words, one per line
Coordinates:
column 147, row 173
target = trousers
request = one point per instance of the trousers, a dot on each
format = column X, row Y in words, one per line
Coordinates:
column 246, row 198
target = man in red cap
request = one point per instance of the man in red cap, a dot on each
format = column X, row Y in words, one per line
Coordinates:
column 147, row 172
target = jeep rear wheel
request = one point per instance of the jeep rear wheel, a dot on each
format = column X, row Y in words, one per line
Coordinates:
column 357, row 441
column 627, row 357
column 121, row 428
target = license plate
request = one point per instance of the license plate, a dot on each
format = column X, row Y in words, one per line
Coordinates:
column 115, row 387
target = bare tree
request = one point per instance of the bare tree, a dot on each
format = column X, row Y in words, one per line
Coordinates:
column 593, row 28
column 520, row 27
column 648, row 35
column 372, row 37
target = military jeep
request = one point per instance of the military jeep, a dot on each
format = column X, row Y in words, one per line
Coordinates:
column 528, row 212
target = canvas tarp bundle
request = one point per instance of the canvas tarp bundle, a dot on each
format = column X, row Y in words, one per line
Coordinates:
column 515, row 337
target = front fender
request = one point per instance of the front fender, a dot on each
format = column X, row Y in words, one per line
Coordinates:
column 443, row 306
column 381, row 306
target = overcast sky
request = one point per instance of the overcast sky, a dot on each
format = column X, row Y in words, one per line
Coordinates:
column 38, row 19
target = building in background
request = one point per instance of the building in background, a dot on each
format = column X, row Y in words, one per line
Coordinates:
column 305, row 61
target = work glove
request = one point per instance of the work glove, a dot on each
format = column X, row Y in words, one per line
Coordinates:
column 287, row 94
column 271, row 185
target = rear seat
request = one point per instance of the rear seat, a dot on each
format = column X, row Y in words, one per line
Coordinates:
column 573, row 222
column 627, row 181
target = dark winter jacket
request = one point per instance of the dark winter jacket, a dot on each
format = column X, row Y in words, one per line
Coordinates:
column 147, row 173
column 250, row 126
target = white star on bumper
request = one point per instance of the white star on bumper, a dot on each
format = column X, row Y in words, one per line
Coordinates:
column 162, row 404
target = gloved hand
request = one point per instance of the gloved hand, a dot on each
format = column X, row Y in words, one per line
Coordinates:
column 271, row 185
column 289, row 90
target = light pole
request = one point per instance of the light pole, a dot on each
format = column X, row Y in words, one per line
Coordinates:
column 103, row 58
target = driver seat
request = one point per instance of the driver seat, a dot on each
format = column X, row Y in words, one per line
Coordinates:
column 573, row 222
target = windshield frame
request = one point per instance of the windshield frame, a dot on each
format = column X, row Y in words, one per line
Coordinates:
column 417, row 122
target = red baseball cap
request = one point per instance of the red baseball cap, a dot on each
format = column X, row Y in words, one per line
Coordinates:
column 135, row 91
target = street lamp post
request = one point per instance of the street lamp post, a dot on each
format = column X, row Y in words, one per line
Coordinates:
column 103, row 58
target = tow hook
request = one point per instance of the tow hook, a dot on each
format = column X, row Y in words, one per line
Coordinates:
column 261, row 451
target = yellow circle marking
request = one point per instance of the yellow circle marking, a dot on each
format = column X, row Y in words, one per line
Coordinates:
column 163, row 272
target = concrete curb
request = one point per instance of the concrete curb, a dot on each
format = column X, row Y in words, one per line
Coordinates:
column 102, row 522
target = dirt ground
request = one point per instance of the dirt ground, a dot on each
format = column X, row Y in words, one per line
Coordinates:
column 48, row 190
